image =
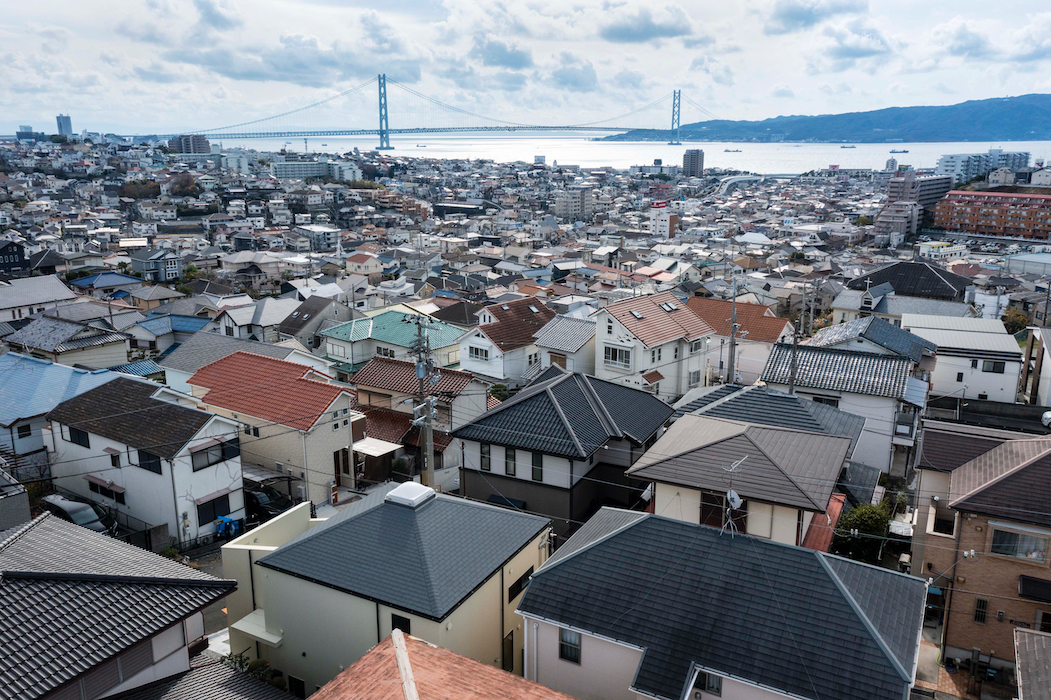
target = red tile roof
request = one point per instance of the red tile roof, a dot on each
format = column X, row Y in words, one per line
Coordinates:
column 758, row 320
column 394, row 426
column 400, row 376
column 516, row 322
column 266, row 388
column 819, row 534
column 654, row 325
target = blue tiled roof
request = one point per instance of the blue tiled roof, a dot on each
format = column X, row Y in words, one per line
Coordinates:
column 142, row 368
column 878, row 331
column 31, row 387
column 106, row 279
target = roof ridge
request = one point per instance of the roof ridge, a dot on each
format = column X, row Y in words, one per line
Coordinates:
column 1009, row 472
column 544, row 568
column 601, row 412
column 117, row 578
column 19, row 531
column 775, row 462
column 562, row 415
column 895, row 662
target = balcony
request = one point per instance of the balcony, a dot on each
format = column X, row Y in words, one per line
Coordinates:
column 905, row 428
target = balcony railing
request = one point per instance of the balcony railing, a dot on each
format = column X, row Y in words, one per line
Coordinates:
column 905, row 424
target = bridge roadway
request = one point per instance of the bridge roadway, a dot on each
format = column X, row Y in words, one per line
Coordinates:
column 393, row 132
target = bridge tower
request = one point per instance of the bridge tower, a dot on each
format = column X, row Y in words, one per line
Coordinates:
column 675, row 109
column 381, row 80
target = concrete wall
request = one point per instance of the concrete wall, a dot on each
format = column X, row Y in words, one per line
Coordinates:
column 766, row 520
column 605, row 671
column 996, row 387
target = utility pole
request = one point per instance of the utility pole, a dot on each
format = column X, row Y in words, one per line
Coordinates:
column 1047, row 299
column 424, row 412
column 795, row 347
column 813, row 301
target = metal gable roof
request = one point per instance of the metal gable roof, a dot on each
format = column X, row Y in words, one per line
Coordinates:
column 566, row 333
column 877, row 331
column 734, row 606
column 839, row 370
column 32, row 387
column 405, row 557
column 395, row 328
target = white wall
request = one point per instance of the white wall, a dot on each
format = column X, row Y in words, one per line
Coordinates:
column 996, row 387
column 605, row 671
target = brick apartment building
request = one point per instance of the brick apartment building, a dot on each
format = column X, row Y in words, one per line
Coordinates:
column 981, row 536
column 995, row 214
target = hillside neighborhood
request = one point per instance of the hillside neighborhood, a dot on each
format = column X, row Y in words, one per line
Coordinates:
column 362, row 425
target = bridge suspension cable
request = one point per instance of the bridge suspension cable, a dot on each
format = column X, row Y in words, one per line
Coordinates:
column 450, row 107
column 318, row 103
column 697, row 106
column 627, row 114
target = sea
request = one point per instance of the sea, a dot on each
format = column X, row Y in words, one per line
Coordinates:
column 586, row 152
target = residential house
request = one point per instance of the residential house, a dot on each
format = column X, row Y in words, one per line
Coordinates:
column 638, row 605
column 13, row 260
column 311, row 316
column 259, row 320
column 561, row 446
column 977, row 357
column 758, row 330
column 786, row 478
column 364, row 264
column 914, row 278
column 568, row 342
column 30, row 389
column 157, row 264
column 981, row 533
column 23, row 297
column 402, row 667
column 502, row 346
column 204, row 348
column 107, row 285
column 652, row 342
column 878, row 387
column 389, row 334
column 88, row 616
column 71, row 342
column 882, row 301
column 149, row 298
column 293, row 420
column 129, row 446
column 315, row 596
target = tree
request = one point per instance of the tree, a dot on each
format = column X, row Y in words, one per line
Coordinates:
column 58, row 138
column 797, row 255
column 871, row 523
column 1015, row 321
column 185, row 186
column 499, row 392
column 863, row 221
column 191, row 272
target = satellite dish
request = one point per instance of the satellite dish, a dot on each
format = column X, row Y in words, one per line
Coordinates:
column 733, row 499
column 1046, row 419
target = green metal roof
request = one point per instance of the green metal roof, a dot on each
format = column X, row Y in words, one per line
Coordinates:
column 395, row 328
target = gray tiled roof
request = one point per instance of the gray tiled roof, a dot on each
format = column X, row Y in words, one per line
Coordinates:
column 33, row 291
column 787, row 467
column 875, row 330
column 569, row 414
column 894, row 305
column 565, row 334
column 839, row 370
column 56, row 335
column 1012, row 480
column 204, row 348
column 425, row 560
column 799, row 621
column 1033, row 660
column 74, row 599
column 208, row 679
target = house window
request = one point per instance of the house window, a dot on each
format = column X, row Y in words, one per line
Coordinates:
column 485, row 449
column 655, row 355
column 827, row 400
column 149, row 461
column 538, row 466
column 119, row 497
column 994, row 366
column 675, row 353
column 569, row 645
column 78, row 436
column 114, row 460
column 213, row 454
column 255, row 432
column 335, row 426
column 24, row 431
column 609, row 326
column 209, row 511
column 959, row 376
column 229, row 330
column 534, row 357
column 397, row 622
column 297, row 687
column 519, row 585
column 696, row 346
column 695, row 377
column 509, row 461
column 384, row 352
column 1018, row 545
column 617, row 357
column 981, row 609
column 709, row 683
column 974, row 364
column 479, row 354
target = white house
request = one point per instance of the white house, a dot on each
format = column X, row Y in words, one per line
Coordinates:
column 568, row 342
column 502, row 347
column 128, row 445
column 758, row 330
column 974, row 365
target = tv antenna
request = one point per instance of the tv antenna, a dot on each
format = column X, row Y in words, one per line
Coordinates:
column 733, row 500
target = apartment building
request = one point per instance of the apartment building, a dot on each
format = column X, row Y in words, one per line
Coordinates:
column 965, row 166
column 907, row 186
column 995, row 214
column 575, row 204
column 693, row 162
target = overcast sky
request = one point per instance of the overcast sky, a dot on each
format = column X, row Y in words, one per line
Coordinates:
column 143, row 66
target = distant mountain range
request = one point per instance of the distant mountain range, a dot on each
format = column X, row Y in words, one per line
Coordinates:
column 1023, row 118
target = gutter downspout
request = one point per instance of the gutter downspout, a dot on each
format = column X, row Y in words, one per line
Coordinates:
column 306, row 472
column 175, row 499
column 503, row 629
column 952, row 586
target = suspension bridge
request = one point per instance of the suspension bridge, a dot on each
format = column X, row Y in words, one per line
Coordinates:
column 422, row 114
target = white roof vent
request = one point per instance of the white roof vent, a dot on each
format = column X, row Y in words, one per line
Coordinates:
column 410, row 494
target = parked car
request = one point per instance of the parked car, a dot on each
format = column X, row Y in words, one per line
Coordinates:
column 89, row 515
column 265, row 502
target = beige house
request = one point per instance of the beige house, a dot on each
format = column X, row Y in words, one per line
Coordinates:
column 314, row 596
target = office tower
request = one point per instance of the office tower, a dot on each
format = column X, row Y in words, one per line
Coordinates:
column 693, row 163
column 65, row 125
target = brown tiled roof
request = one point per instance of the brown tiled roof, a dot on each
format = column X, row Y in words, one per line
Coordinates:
column 491, row 402
column 819, row 534
column 385, row 423
column 516, row 322
column 945, row 450
column 266, row 388
column 756, row 319
column 654, row 325
column 437, row 674
column 400, row 376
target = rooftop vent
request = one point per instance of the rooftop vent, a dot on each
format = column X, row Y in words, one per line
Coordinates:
column 505, row 307
column 410, row 494
column 636, row 314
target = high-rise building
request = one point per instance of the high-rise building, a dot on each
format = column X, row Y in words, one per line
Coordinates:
column 693, row 163
column 891, row 166
column 897, row 221
column 907, row 186
column 190, row 143
column 575, row 204
column 65, row 125
column 967, row 166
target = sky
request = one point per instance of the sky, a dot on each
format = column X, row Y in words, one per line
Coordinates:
column 161, row 66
